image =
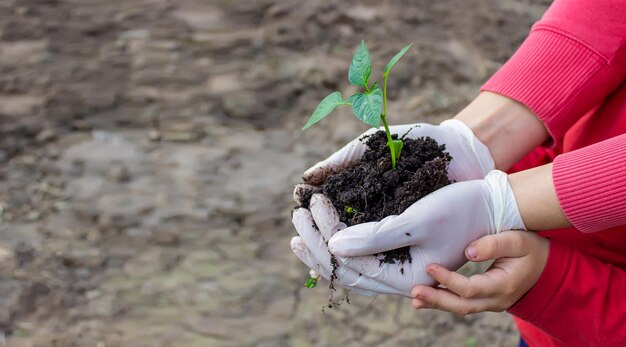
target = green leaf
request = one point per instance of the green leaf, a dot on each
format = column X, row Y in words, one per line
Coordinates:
column 368, row 106
column 325, row 107
column 395, row 59
column 396, row 147
column 361, row 67
column 311, row 282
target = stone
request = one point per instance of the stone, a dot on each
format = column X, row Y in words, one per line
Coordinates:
column 137, row 34
column 201, row 17
column 364, row 13
column 119, row 173
column 106, row 305
column 240, row 105
column 166, row 237
column 83, row 188
column 46, row 135
column 20, row 105
column 224, row 83
column 121, row 210
column 83, row 257
column 23, row 52
column 103, row 150
column 143, row 264
column 18, row 298
column 8, row 261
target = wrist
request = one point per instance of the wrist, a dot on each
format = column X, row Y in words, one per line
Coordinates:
column 504, row 210
column 509, row 129
column 536, row 199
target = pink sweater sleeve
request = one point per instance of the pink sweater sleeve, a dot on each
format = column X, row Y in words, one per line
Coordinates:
column 573, row 58
column 590, row 185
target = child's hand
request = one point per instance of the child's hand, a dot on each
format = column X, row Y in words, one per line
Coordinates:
column 520, row 259
column 437, row 228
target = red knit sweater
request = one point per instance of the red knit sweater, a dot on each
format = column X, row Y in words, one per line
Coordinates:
column 571, row 72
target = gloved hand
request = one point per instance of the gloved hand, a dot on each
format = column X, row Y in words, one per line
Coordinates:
column 311, row 248
column 471, row 160
column 470, row 157
column 437, row 227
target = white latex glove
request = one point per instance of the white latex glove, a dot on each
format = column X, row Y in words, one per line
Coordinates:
column 471, row 160
column 470, row 157
column 437, row 227
column 310, row 247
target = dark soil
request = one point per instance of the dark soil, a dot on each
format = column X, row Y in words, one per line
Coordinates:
column 372, row 190
column 305, row 196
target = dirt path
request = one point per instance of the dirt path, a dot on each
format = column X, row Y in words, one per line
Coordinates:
column 148, row 149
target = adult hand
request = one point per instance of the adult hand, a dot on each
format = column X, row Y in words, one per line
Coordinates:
column 437, row 228
column 470, row 158
column 520, row 259
column 310, row 247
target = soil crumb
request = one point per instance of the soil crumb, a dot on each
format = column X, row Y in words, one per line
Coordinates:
column 305, row 196
column 371, row 190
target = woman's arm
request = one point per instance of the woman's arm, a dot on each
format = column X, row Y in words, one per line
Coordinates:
column 537, row 199
column 509, row 129
column 573, row 58
column 584, row 188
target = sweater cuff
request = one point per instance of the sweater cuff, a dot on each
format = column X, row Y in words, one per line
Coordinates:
column 556, row 76
column 538, row 298
column 590, row 185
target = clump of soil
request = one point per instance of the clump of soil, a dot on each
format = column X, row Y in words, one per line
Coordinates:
column 371, row 190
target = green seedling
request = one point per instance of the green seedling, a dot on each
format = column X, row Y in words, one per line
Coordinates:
column 311, row 282
column 368, row 106
column 350, row 210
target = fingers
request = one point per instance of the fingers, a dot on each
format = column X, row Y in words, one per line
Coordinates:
column 316, row 246
column 302, row 193
column 442, row 299
column 475, row 286
column 339, row 160
column 325, row 216
column 354, row 241
column 369, row 238
column 431, row 219
column 302, row 252
column 512, row 244
column 471, row 159
column 402, row 277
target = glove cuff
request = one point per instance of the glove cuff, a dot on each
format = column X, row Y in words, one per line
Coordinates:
column 478, row 149
column 506, row 215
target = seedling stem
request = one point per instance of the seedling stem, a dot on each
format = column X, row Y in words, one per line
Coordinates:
column 383, row 118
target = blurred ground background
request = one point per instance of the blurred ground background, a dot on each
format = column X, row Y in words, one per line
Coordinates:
column 148, row 150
